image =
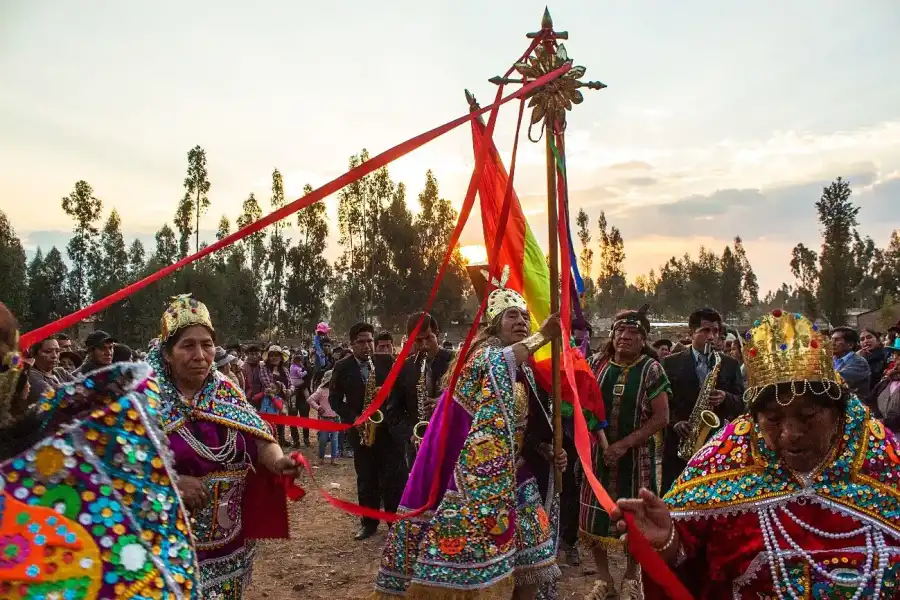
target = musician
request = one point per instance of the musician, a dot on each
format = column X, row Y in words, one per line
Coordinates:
column 421, row 374
column 687, row 371
column 380, row 472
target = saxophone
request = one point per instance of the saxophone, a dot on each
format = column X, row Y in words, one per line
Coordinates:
column 422, row 396
column 368, row 429
column 703, row 420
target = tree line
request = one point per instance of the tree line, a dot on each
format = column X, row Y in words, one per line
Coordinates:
column 849, row 271
column 271, row 286
column 266, row 286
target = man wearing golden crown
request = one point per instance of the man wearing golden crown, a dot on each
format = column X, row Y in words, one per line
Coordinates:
column 798, row 498
column 491, row 534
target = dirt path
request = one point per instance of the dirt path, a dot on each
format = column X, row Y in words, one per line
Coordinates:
column 323, row 561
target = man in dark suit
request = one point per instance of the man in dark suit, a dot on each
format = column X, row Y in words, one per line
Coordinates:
column 687, row 370
column 380, row 468
column 422, row 372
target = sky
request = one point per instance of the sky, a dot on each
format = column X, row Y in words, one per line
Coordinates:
column 721, row 118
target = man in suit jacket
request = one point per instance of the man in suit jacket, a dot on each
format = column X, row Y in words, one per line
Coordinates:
column 402, row 411
column 687, row 370
column 380, row 468
column 853, row 368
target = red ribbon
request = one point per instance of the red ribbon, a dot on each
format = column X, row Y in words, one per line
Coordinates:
column 638, row 545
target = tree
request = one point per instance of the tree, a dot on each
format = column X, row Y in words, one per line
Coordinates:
column 803, row 267
column 434, row 227
column 309, row 273
column 194, row 203
column 408, row 288
column 586, row 262
column 837, row 215
column 611, row 282
column 887, row 270
column 85, row 209
column 136, row 259
column 278, row 249
column 749, row 283
column 253, row 250
column 111, row 273
column 166, row 246
column 731, row 280
column 864, row 278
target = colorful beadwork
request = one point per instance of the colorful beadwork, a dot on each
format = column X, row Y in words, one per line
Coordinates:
column 737, row 475
column 221, row 401
column 491, row 529
column 91, row 511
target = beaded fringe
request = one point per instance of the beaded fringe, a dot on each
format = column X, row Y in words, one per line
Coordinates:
column 590, row 541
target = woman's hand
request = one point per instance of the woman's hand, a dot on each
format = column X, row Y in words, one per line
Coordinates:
column 193, row 492
column 286, row 466
column 614, row 453
column 560, row 461
column 651, row 516
column 552, row 328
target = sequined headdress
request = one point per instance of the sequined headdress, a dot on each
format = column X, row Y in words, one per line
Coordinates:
column 502, row 298
column 785, row 347
column 184, row 311
column 11, row 369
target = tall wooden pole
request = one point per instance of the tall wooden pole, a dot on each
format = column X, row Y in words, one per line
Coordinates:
column 555, row 346
column 551, row 102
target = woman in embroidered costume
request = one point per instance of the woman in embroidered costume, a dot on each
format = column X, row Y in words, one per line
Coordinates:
column 635, row 393
column 489, row 536
column 217, row 439
column 88, row 507
column 799, row 498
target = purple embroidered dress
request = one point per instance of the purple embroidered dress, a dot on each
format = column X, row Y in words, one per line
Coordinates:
column 213, row 438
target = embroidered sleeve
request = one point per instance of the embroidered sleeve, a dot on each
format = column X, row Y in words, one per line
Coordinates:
column 657, row 381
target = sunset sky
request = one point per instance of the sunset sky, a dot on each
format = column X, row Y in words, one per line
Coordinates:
column 721, row 118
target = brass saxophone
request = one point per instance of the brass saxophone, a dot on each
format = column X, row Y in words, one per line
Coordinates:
column 368, row 429
column 703, row 420
column 422, row 396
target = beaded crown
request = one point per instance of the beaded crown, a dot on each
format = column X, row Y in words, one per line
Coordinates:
column 11, row 369
column 184, row 311
column 785, row 347
column 502, row 298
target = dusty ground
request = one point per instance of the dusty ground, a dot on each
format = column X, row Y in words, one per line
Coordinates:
column 323, row 561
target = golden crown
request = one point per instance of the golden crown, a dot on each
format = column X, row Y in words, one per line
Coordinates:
column 502, row 298
column 785, row 347
column 12, row 365
column 184, row 311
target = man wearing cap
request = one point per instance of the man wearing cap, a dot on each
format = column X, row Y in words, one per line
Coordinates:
column 99, row 346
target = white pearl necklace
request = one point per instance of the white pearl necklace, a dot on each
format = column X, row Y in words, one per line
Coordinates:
column 224, row 454
column 875, row 545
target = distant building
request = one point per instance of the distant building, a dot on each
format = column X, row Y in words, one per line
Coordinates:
column 880, row 318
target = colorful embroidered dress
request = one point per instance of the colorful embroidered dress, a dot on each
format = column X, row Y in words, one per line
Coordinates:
column 489, row 530
column 90, row 511
column 213, row 438
column 627, row 395
column 735, row 502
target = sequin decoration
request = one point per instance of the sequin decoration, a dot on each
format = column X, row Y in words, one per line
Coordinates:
column 91, row 510
column 490, row 529
column 735, row 472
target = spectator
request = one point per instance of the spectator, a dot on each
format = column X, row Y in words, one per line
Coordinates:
column 871, row 348
column 663, row 348
column 384, row 343
column 100, row 346
column 122, row 353
column 318, row 401
column 65, row 344
column 68, row 360
column 853, row 368
column 45, row 373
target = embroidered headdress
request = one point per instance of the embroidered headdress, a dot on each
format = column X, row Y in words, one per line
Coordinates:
column 502, row 298
column 784, row 348
column 184, row 311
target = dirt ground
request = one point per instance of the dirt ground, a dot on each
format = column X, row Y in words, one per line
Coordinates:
column 323, row 561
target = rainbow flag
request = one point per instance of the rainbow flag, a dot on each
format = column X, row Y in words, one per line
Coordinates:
column 530, row 276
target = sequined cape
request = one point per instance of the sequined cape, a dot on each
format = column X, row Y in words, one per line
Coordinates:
column 717, row 501
column 221, row 401
column 90, row 511
column 489, row 530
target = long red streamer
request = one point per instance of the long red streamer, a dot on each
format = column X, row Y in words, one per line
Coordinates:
column 638, row 545
column 329, row 188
